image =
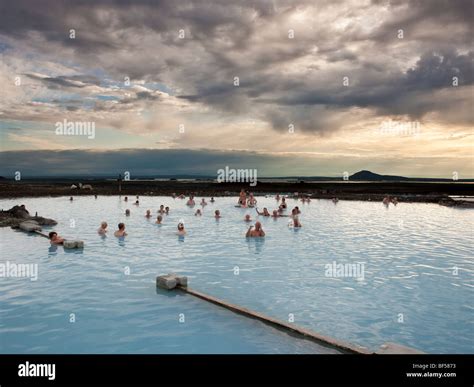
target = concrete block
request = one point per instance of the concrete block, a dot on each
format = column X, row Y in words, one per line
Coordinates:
column 73, row 244
column 166, row 282
column 182, row 281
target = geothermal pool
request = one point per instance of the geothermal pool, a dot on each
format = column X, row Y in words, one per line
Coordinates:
column 414, row 284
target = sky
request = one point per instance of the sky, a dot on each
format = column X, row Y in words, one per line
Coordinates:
column 314, row 88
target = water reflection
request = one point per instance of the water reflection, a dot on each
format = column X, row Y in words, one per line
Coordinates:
column 255, row 244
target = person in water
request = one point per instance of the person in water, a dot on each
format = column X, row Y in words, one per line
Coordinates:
column 264, row 212
column 121, row 230
column 181, row 230
column 162, row 209
column 71, row 199
column 55, row 239
column 294, row 216
column 247, row 218
column 283, row 203
column 212, row 200
column 198, row 212
column 252, row 201
column 277, row 197
column 102, row 229
column 191, row 201
column 335, row 200
column 148, row 214
column 394, row 201
column 127, row 212
column 242, row 197
column 167, row 210
column 159, row 218
column 297, row 210
column 386, row 200
column 256, row 232
column 217, row 214
column 126, row 199
column 137, row 203
column 203, row 202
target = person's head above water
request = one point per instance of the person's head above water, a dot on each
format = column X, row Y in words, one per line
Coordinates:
column 121, row 226
column 127, row 212
column 180, row 226
column 103, row 225
column 53, row 234
column 247, row 217
column 258, row 226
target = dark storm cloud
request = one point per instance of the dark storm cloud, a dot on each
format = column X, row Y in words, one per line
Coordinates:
column 224, row 40
column 136, row 161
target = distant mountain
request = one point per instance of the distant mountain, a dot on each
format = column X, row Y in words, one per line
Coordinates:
column 370, row 176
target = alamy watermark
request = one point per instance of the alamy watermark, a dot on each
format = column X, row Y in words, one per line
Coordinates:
column 19, row 270
column 232, row 175
column 75, row 128
column 345, row 270
column 399, row 128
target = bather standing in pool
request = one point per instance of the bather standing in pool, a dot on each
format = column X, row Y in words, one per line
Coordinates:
column 198, row 212
column 121, row 231
column 159, row 218
column 217, row 214
column 255, row 233
column 264, row 213
column 191, row 201
column 148, row 214
column 242, row 198
column 247, row 218
column 102, row 229
column 181, row 230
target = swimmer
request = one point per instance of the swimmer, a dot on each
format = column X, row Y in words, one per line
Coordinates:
column 55, row 238
column 294, row 216
column 181, row 196
column 335, row 200
column 71, row 199
column 217, row 214
column 277, row 197
column 247, row 218
column 203, row 202
column 159, row 218
column 198, row 212
column 297, row 210
column 212, row 200
column 181, row 230
column 162, row 209
column 102, row 229
column 95, row 196
column 394, row 201
column 242, row 198
column 252, row 201
column 386, row 200
column 167, row 210
column 148, row 214
column 255, row 233
column 137, row 203
column 127, row 212
column 173, row 195
column 137, row 198
column 191, row 201
column 264, row 213
column 126, row 199
column 283, row 203
column 121, row 230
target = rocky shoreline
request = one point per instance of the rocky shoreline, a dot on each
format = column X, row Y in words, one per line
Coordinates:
column 424, row 192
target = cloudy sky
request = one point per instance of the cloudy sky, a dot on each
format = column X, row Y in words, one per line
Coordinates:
column 289, row 87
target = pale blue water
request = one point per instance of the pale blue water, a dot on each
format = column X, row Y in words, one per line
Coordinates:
column 410, row 293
